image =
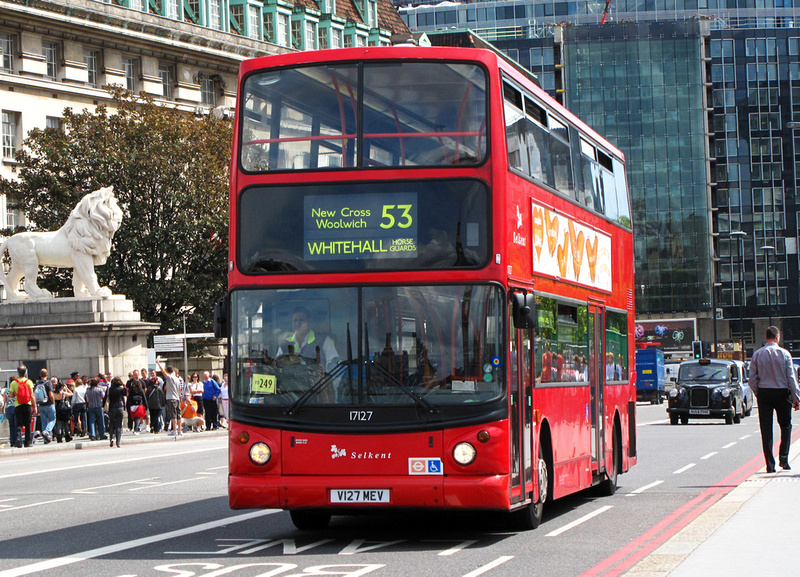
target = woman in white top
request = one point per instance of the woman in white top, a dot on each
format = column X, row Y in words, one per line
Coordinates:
column 223, row 401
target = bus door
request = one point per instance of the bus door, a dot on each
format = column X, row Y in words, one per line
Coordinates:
column 597, row 380
column 521, row 370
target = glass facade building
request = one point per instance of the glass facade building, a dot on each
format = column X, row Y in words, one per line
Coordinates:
column 703, row 97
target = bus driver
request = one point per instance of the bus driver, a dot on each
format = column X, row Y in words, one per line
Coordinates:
column 308, row 343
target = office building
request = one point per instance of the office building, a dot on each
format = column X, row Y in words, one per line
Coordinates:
column 701, row 97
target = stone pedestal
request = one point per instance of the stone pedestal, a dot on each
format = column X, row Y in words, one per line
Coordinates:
column 91, row 336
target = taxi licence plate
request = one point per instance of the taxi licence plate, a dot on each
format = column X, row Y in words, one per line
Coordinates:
column 699, row 412
column 360, row 496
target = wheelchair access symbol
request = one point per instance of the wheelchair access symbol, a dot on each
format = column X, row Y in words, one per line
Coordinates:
column 424, row 466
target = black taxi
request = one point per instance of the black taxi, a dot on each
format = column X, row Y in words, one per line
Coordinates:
column 707, row 389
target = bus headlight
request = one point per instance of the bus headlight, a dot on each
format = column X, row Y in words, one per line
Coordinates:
column 464, row 453
column 260, row 453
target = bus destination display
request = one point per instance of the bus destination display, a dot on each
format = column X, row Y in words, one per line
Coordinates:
column 364, row 226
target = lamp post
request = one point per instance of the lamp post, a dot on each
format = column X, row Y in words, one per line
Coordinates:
column 768, row 249
column 739, row 235
column 714, row 313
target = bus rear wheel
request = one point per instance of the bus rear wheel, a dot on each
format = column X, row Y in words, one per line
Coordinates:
column 608, row 486
column 310, row 520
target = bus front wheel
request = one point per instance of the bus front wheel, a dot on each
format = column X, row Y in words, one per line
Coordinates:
column 530, row 516
column 310, row 520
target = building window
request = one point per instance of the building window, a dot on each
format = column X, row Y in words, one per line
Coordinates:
column 372, row 13
column 255, row 23
column 129, row 66
column 6, row 53
column 90, row 58
column 269, row 27
column 311, row 35
column 10, row 128
column 167, row 75
column 336, row 38
column 283, row 30
column 137, row 5
column 50, row 51
column 322, row 38
column 348, row 40
column 208, row 92
column 297, row 34
column 53, row 122
column 172, row 9
column 12, row 221
column 193, row 10
column 214, row 12
column 237, row 18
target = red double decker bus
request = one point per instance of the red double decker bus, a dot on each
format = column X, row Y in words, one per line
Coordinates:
column 431, row 304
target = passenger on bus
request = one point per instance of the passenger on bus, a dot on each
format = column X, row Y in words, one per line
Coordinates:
column 547, row 364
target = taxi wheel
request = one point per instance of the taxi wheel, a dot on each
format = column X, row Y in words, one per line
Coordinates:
column 673, row 418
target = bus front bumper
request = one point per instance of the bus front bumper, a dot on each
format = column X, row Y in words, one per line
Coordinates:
column 342, row 493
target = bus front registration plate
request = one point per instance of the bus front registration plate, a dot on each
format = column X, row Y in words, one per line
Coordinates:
column 360, row 496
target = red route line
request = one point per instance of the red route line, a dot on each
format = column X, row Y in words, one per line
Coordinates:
column 673, row 523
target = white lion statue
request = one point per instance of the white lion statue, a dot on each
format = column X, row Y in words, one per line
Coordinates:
column 83, row 242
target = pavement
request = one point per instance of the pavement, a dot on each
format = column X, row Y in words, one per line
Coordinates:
column 745, row 525
column 748, row 526
column 80, row 443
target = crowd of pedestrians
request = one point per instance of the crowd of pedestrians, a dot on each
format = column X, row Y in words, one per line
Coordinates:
column 101, row 407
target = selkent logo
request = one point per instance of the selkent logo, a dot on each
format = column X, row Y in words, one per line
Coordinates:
column 336, row 453
column 424, row 466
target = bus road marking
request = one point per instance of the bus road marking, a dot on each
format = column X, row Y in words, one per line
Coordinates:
column 488, row 567
column 131, row 544
column 188, row 569
column 711, row 454
column 684, row 469
column 729, row 445
column 93, row 491
column 577, row 522
column 35, row 505
column 643, row 489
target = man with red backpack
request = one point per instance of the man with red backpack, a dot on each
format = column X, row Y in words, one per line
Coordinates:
column 24, row 403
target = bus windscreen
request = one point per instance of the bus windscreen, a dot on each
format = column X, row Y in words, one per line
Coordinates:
column 412, row 114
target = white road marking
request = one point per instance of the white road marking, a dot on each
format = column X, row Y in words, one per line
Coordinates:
column 131, row 544
column 682, row 469
column 645, row 488
column 36, row 504
column 92, row 490
column 215, row 468
column 729, row 445
column 745, row 437
column 193, row 479
column 711, row 454
column 481, row 570
column 112, row 462
column 577, row 522
column 461, row 546
column 204, row 473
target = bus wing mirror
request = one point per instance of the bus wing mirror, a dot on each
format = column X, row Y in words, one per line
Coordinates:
column 522, row 310
column 221, row 318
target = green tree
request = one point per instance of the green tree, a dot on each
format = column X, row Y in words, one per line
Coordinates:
column 169, row 170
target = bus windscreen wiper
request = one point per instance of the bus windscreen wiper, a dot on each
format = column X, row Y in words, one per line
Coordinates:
column 338, row 370
column 420, row 401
